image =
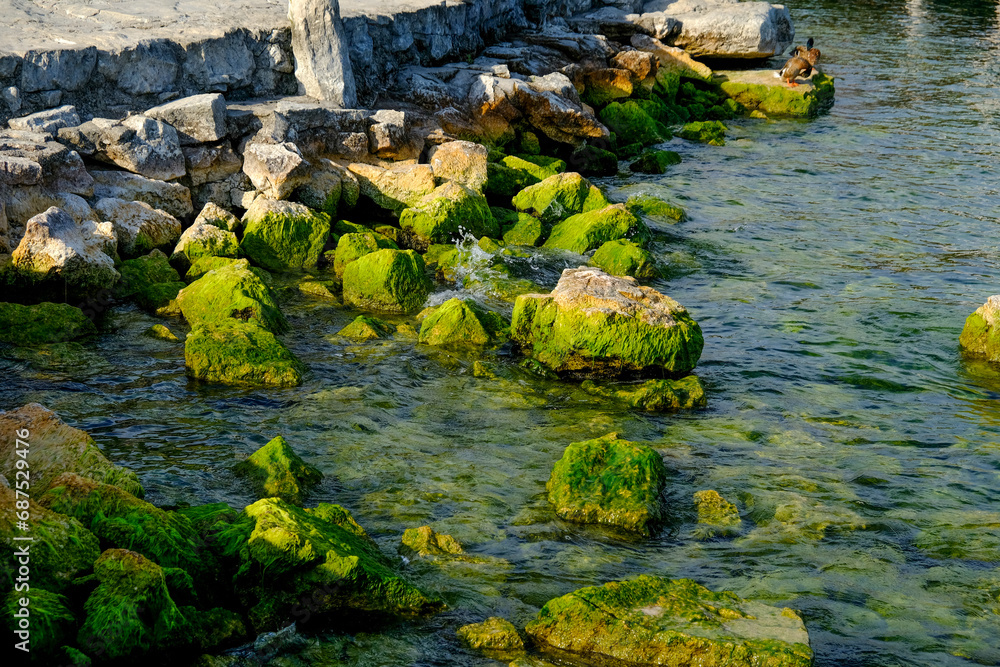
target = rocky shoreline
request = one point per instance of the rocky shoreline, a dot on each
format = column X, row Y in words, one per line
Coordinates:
column 196, row 201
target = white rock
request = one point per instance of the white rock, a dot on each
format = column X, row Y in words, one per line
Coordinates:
column 275, row 169
column 48, row 121
column 173, row 198
column 322, row 61
column 138, row 226
column 460, row 161
column 728, row 28
column 142, row 145
column 198, row 119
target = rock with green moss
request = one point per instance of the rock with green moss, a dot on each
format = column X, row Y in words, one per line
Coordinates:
column 462, row 323
column 150, row 281
column 539, row 166
column 282, row 236
column 599, row 325
column 365, row 328
column 387, row 281
column 759, row 90
column 278, row 472
column 495, row 635
column 320, row 289
column 424, row 541
column 203, row 265
column 655, row 162
column 42, row 323
column 609, row 481
column 56, row 448
column 656, row 209
column 61, row 548
column 520, row 228
column 204, row 239
column 654, row 395
column 587, row 231
column 980, row 337
column 593, row 161
column 716, row 512
column 632, row 124
column 605, row 85
column 440, row 216
column 240, row 353
column 235, row 292
column 623, row 257
column 287, row 554
column 160, row 332
column 354, row 245
column 558, row 197
column 711, row 132
column 51, row 620
column 650, row 621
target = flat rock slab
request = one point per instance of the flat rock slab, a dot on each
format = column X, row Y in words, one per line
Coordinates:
column 760, row 90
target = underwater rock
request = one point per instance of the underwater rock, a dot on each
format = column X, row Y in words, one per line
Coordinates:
column 161, row 332
column 240, row 353
column 600, row 325
column 203, row 239
column 494, row 635
column 138, row 226
column 388, row 281
column 622, row 257
column 42, row 323
column 979, row 336
column 759, row 90
column 609, row 481
column 655, row 208
column 278, row 472
column 234, row 292
column 657, row 621
column 587, row 231
column 717, row 512
column 462, row 323
column 365, row 328
column 444, row 213
column 461, row 161
column 654, row 395
column 655, row 162
column 558, row 197
column 281, row 236
column 56, row 448
column 52, row 622
column 354, row 245
column 710, row 132
column 320, row 289
column 150, row 281
column 632, row 124
column 424, row 541
column 291, row 557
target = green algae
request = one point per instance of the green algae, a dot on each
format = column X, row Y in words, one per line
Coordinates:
column 236, row 292
column 364, row 328
column 276, row 471
column 161, row 332
column 354, row 245
column 387, row 281
column 520, row 228
column 655, row 162
column 654, row 395
column 441, row 215
column 42, row 323
column 150, row 281
column 655, row 209
column 240, row 353
column 282, row 241
column 462, row 323
column 587, row 231
column 609, row 481
column 203, row 265
column 710, row 132
column 51, row 620
column 558, row 197
column 494, row 635
column 979, row 337
column 716, row 515
column 424, row 541
column 632, row 124
column 780, row 100
column 622, row 257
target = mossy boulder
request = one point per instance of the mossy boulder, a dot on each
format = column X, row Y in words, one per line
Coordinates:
column 365, row 328
column 42, row 324
column 759, row 90
column 609, row 481
column 462, row 323
column 204, row 239
column 444, row 213
column 717, row 513
column 558, row 197
column 513, row 173
column 56, row 448
column 981, row 335
column 203, row 265
column 632, row 124
column 520, row 228
column 278, row 472
column 281, row 235
column 587, row 231
column 161, row 332
column 600, row 325
column 424, row 541
column 711, row 132
column 150, row 281
column 235, row 292
column 240, row 353
column 623, row 257
column 388, row 281
column 494, row 635
column 655, row 162
column 354, row 245
column 654, row 395
column 51, row 619
column 657, row 621
column 655, row 209
column 593, row 161
column 287, row 555
column 605, row 85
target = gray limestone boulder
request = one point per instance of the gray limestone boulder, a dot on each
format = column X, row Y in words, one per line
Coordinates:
column 275, row 169
column 198, row 119
column 210, row 163
column 48, row 121
column 322, row 61
column 142, row 145
column 727, row 28
column 29, row 158
column 173, row 198
column 138, row 226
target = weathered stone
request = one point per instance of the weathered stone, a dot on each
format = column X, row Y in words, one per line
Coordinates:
column 204, row 240
column 325, row 188
column 42, row 323
column 139, row 144
column 27, row 201
column 281, row 235
column 558, row 197
column 63, row 69
column 275, row 169
column 759, row 90
column 671, row 58
column 198, row 119
column 235, row 352
column 494, row 635
column 322, row 61
column 461, row 323
column 632, row 124
column 606, row 85
column 640, row 63
column 389, row 281
column 389, row 136
column 981, row 336
column 444, row 213
column 138, row 226
column 48, row 121
column 394, row 188
column 461, row 161
column 173, row 198
column 209, row 163
column 353, row 245
column 219, row 217
column 728, row 28
column 28, row 158
column 278, row 472
column 235, row 291
column 548, row 104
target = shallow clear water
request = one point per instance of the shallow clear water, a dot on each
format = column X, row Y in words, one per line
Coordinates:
column 831, row 265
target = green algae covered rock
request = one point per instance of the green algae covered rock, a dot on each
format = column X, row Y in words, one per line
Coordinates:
column 758, row 90
column 655, row 208
column 281, row 235
column 160, row 332
column 203, row 265
column 462, row 323
column 717, row 513
column 354, row 245
column 593, row 161
column 622, row 257
column 539, row 166
column 446, row 211
column 240, row 353
column 558, row 197
column 655, row 162
column 494, row 635
column 609, row 481
column 42, row 323
column 56, row 448
column 658, row 621
column 51, row 621
column 654, row 395
column 710, row 132
column 424, row 541
column 600, row 325
column 286, row 553
column 365, row 328
column 587, row 231
column 236, row 292
column 204, row 239
column 388, row 281
column 632, row 124
column 981, row 336
column 519, row 228
column 150, row 281
column 278, row 472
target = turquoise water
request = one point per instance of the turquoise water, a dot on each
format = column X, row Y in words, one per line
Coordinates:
column 831, row 264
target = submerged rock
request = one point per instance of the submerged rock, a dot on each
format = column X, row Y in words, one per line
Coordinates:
column 558, row 197
column 716, row 512
column 596, row 324
column 759, row 90
column 281, row 236
column 462, row 323
column 424, row 541
column 366, row 328
column 587, row 231
column 609, row 481
column 658, row 621
column 654, row 395
column 623, row 257
column 160, row 332
column 388, row 281
column 234, row 352
column 655, row 162
column 981, row 337
column 42, row 323
column 494, row 635
column 278, row 472
column 655, row 208
column 710, row 132
column 234, row 292
column 150, row 281
column 444, row 213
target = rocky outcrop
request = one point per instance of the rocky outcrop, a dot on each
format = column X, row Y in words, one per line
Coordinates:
column 981, row 334
column 727, row 28
column 142, row 145
column 276, row 471
column 322, row 61
column 233, row 292
column 138, row 226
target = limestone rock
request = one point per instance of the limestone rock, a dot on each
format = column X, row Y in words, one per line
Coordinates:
column 353, row 245
column 622, row 257
column 728, row 28
column 235, row 352
column 150, row 281
column 389, row 281
column 596, row 324
column 48, row 121
column 389, row 136
column 759, row 90
column 210, row 163
column 27, row 201
column 219, row 217
column 142, row 145
column 394, row 188
column 281, row 235
column 461, row 161
column 322, row 61
column 198, row 119
column 138, row 226
column 235, row 291
column 671, row 58
column 606, row 85
column 325, row 187
column 980, row 337
column 275, row 169
column 548, row 104
column 29, row 158
column 278, row 472
column 204, row 240
column 640, row 63
column 173, row 198
column 587, row 231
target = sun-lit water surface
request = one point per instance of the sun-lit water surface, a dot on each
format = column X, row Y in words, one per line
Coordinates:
column 831, row 265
